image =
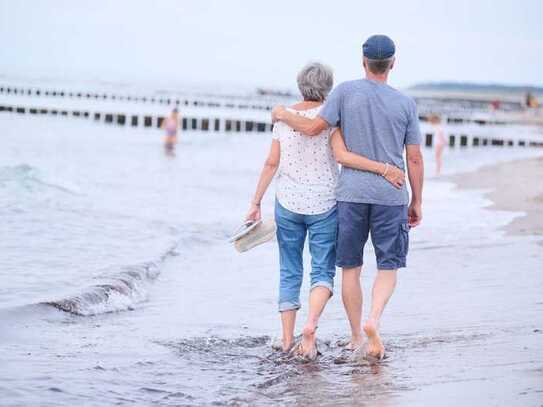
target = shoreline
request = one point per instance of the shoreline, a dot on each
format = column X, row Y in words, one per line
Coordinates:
column 514, row 186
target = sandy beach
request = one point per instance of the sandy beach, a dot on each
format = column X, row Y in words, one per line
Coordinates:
column 514, row 186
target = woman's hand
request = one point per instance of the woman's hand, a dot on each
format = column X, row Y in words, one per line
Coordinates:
column 395, row 176
column 254, row 213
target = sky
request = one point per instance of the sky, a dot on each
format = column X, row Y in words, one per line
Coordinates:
column 265, row 43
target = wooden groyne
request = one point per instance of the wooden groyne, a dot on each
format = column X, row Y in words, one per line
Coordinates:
column 164, row 100
column 187, row 123
column 222, row 124
column 456, row 116
column 465, row 140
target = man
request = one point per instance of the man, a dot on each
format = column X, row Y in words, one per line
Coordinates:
column 377, row 122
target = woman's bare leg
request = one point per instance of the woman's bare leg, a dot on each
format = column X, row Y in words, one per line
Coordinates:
column 318, row 298
column 288, row 321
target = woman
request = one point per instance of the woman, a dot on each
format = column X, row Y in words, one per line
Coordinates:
column 171, row 125
column 440, row 142
column 306, row 204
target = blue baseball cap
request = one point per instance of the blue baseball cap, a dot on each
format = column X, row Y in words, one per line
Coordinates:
column 379, row 47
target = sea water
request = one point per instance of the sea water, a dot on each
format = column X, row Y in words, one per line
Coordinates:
column 118, row 286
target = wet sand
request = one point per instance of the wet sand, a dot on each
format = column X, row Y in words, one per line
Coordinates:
column 514, row 186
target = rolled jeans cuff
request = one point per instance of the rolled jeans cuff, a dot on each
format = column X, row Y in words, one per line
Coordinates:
column 327, row 284
column 288, row 306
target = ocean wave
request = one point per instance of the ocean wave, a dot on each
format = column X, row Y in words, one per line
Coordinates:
column 118, row 292
column 30, row 177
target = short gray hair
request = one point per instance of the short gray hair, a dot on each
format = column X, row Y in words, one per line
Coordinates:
column 315, row 81
column 379, row 66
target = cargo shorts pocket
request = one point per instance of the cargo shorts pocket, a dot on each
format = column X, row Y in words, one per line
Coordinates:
column 403, row 240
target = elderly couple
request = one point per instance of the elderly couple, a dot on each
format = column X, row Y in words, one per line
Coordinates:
column 364, row 125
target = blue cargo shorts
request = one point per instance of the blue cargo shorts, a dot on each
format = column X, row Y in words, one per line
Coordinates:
column 389, row 234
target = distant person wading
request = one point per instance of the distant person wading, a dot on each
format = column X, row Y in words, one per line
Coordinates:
column 440, row 141
column 171, row 127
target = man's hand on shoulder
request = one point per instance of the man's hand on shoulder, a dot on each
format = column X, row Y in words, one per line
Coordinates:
column 304, row 125
column 277, row 113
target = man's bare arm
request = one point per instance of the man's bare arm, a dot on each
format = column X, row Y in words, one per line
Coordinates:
column 415, row 171
column 309, row 127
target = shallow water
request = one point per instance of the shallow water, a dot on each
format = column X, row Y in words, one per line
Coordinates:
column 118, row 286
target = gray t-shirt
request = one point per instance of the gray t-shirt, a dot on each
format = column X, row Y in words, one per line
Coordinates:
column 377, row 122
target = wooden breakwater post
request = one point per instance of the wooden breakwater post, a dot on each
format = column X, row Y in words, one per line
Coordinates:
column 159, row 121
column 429, row 140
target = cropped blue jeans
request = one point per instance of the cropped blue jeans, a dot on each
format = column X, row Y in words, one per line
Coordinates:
column 292, row 229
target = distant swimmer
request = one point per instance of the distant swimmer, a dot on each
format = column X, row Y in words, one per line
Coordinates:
column 440, row 141
column 171, row 126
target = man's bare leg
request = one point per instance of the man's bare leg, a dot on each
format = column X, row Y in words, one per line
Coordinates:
column 318, row 298
column 383, row 287
column 288, row 321
column 351, row 293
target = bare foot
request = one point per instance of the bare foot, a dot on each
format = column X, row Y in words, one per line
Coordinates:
column 308, row 341
column 287, row 344
column 375, row 347
column 355, row 343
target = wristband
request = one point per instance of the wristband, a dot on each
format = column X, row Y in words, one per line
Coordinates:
column 385, row 172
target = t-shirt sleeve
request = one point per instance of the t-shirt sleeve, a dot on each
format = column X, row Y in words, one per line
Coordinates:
column 331, row 111
column 413, row 135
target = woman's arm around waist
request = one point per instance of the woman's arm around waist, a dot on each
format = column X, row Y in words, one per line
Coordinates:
column 392, row 174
